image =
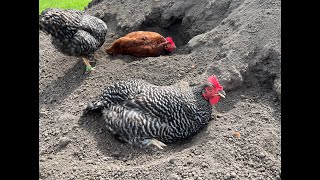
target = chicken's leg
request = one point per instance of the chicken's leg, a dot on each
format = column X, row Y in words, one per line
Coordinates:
column 87, row 63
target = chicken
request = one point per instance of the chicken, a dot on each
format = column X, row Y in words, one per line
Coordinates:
column 142, row 44
column 73, row 32
column 143, row 114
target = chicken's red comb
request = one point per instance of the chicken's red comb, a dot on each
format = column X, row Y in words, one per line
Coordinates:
column 172, row 47
column 213, row 80
column 170, row 40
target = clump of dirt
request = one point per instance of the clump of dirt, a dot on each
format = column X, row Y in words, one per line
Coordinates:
column 238, row 40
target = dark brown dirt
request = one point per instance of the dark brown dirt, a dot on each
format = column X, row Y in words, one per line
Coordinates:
column 238, row 40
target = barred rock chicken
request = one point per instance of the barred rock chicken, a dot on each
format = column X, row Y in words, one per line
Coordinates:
column 143, row 114
column 73, row 32
column 142, row 44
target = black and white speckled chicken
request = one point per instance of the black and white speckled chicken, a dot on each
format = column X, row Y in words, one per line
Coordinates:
column 143, row 114
column 73, row 32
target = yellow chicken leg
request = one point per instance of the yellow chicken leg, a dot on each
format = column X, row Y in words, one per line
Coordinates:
column 87, row 63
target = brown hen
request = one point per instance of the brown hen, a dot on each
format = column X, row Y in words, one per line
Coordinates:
column 142, row 44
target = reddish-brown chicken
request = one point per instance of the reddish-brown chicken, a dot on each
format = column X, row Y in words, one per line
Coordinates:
column 142, row 44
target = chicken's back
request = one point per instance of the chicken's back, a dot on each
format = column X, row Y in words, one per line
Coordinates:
column 60, row 23
column 147, row 36
column 95, row 27
column 118, row 92
column 139, row 44
column 73, row 32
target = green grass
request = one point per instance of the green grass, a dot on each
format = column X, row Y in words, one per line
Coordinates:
column 64, row 4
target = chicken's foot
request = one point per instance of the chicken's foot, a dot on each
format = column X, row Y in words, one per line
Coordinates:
column 154, row 142
column 87, row 63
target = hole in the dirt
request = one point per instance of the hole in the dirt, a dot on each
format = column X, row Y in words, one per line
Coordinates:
column 174, row 31
column 170, row 27
column 259, row 77
column 264, row 72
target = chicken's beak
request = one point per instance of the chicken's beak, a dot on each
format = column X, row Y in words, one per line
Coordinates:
column 222, row 93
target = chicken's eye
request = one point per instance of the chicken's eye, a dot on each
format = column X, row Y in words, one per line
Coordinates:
column 210, row 89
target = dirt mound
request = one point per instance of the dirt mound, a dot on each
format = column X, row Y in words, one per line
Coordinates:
column 238, row 40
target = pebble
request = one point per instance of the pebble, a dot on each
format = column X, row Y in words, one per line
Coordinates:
column 67, row 117
column 42, row 159
column 261, row 155
column 74, row 168
column 75, row 126
column 184, row 176
column 106, row 158
column 43, row 113
column 116, row 154
column 195, row 152
column 236, row 134
column 204, row 165
column 99, row 172
column 262, row 169
column 90, row 161
column 174, row 176
column 191, row 174
column 64, row 141
column 172, row 161
column 65, row 132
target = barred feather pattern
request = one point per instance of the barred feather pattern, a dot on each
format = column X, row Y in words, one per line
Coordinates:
column 135, row 110
column 73, row 32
